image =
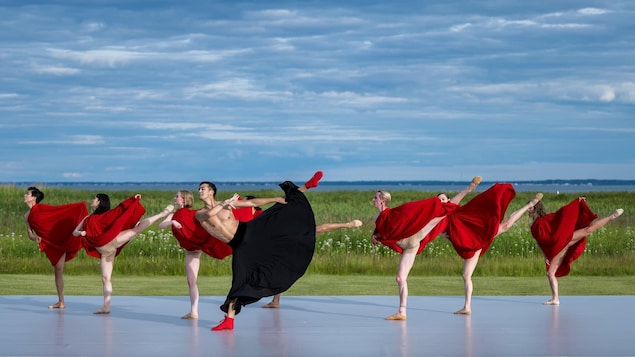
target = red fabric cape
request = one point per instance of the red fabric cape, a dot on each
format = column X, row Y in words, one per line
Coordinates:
column 474, row 225
column 101, row 229
column 555, row 230
column 394, row 224
column 55, row 225
column 192, row 235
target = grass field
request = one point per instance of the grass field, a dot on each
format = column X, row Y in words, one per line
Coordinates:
column 345, row 255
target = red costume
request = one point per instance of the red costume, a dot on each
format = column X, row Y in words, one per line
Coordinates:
column 192, row 236
column 404, row 221
column 102, row 228
column 55, row 226
column 474, row 225
column 555, row 230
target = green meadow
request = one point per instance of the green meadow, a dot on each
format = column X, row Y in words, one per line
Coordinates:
column 345, row 255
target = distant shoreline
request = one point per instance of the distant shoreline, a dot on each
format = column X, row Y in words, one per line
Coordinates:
column 555, row 186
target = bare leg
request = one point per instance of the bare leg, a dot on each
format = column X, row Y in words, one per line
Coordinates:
column 59, row 283
column 192, row 264
column 405, row 265
column 274, row 304
column 327, row 227
column 125, row 236
column 468, row 269
column 578, row 235
column 106, row 263
column 515, row 216
column 459, row 196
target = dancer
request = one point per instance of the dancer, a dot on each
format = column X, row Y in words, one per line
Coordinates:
column 408, row 228
column 322, row 228
column 192, row 237
column 561, row 236
column 472, row 228
column 106, row 231
column 271, row 252
column 52, row 228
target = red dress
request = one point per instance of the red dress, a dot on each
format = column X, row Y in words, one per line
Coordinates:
column 404, row 221
column 474, row 225
column 102, row 228
column 192, row 236
column 55, row 225
column 555, row 230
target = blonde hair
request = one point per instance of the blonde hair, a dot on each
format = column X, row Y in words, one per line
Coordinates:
column 385, row 196
column 188, row 198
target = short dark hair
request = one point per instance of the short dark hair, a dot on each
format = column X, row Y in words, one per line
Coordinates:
column 211, row 185
column 39, row 195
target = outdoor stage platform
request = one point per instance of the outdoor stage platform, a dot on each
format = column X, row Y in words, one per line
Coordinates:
column 320, row 326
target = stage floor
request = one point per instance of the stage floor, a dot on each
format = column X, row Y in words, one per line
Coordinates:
column 320, row 326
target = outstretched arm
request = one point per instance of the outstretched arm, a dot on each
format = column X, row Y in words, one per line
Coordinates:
column 254, row 202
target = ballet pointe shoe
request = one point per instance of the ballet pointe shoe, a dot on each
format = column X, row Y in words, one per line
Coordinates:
column 396, row 317
column 536, row 199
column 618, row 212
column 313, row 182
column 168, row 209
column 226, row 324
column 475, row 182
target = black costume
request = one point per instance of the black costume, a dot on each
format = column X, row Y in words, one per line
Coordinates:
column 272, row 251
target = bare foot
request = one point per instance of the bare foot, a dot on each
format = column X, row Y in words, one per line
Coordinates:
column 397, row 316
column 102, row 311
column 463, row 312
column 618, row 212
column 271, row 305
column 189, row 316
column 58, row 305
column 536, row 199
column 551, row 302
column 355, row 223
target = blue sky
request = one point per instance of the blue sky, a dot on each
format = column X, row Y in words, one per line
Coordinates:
column 363, row 90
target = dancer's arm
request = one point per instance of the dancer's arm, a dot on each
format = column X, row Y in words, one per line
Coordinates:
column 79, row 230
column 254, row 202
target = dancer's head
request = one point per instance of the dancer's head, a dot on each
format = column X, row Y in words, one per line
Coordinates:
column 443, row 197
column 101, row 203
column 209, row 185
column 186, row 197
column 35, row 192
column 382, row 199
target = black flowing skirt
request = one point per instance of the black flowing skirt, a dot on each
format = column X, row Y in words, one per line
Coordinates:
column 272, row 251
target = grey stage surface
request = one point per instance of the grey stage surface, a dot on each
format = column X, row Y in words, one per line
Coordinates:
column 320, row 326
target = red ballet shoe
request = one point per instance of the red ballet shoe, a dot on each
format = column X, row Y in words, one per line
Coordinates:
column 226, row 324
column 313, row 182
